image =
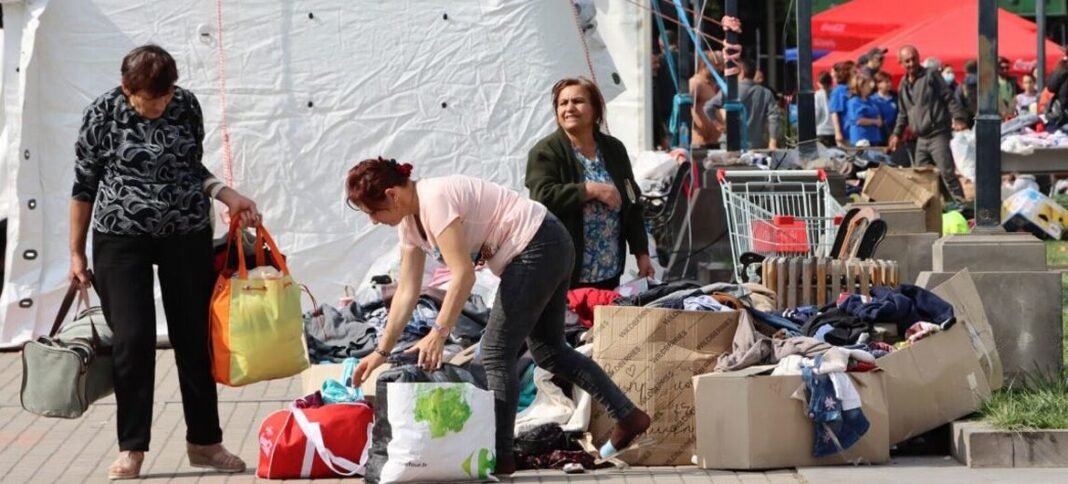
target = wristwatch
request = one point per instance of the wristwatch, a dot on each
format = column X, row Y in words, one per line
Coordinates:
column 385, row 354
column 441, row 329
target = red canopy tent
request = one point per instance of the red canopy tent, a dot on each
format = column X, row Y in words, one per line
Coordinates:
column 952, row 37
column 850, row 25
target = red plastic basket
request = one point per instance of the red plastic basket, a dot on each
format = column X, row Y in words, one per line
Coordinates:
column 782, row 233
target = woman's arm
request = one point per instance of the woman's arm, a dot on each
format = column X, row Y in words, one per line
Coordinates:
column 546, row 186
column 88, row 170
column 454, row 250
column 409, row 284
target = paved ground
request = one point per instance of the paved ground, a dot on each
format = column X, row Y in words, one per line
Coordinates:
column 40, row 450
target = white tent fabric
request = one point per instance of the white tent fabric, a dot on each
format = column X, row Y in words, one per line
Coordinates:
column 312, row 86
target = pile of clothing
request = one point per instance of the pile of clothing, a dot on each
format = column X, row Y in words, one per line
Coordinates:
column 336, row 333
column 835, row 340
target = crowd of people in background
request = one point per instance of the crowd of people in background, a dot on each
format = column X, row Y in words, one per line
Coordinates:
column 858, row 105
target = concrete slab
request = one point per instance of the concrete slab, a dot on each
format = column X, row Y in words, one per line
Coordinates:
column 977, row 444
column 1024, row 309
column 943, row 470
column 989, row 252
column 900, row 217
column 913, row 252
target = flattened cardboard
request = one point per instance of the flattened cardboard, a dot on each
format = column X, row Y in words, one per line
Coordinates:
column 935, row 381
column 652, row 354
column 947, row 375
column 961, row 292
column 749, row 421
column 919, row 185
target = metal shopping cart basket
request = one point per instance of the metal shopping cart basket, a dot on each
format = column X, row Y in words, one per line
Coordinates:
column 768, row 214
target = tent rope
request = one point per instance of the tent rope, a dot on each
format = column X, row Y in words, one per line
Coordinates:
column 228, row 155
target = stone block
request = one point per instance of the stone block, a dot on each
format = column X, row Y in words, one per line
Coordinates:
column 989, row 252
column 1024, row 310
column 911, row 251
column 977, row 444
column 900, row 217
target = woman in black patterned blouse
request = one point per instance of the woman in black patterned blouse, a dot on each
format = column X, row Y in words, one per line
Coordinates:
column 138, row 162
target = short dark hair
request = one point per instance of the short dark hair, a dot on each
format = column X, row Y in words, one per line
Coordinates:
column 824, row 78
column 971, row 67
column 149, row 69
column 596, row 98
column 747, row 68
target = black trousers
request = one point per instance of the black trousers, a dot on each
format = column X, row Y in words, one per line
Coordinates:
column 123, row 269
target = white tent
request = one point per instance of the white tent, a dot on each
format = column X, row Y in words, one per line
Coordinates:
column 311, row 87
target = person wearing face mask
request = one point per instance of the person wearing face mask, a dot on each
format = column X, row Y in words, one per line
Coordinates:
column 930, row 110
column 138, row 161
column 950, row 77
column 584, row 177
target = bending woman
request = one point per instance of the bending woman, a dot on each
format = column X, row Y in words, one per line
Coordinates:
column 464, row 221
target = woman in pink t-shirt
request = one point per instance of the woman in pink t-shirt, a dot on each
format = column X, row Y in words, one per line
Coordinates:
column 465, row 221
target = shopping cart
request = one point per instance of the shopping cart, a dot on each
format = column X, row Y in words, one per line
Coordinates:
column 784, row 212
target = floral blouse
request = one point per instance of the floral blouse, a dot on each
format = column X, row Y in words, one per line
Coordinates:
column 602, row 255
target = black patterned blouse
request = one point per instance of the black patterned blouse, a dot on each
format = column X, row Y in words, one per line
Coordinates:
column 145, row 177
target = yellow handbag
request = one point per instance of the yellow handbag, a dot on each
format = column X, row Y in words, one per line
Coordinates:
column 257, row 331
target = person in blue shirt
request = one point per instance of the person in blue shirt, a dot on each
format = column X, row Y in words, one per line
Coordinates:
column 843, row 72
column 862, row 116
column 886, row 101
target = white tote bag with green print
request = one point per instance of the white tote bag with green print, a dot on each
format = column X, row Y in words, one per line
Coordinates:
column 441, row 432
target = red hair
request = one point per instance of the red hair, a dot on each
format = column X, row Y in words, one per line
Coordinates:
column 368, row 181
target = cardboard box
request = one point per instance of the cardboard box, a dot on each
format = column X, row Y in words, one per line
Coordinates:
column 653, row 354
column 947, row 375
column 900, row 217
column 919, row 185
column 1032, row 211
column 749, row 420
column 312, row 378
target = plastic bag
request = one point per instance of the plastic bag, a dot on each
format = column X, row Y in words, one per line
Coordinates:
column 432, row 426
column 963, row 147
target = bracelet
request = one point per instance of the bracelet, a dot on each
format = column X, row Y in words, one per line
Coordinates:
column 384, row 354
column 441, row 329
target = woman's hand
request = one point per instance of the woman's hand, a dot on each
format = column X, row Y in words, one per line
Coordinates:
column 79, row 270
column 366, row 366
column 430, row 348
column 605, row 193
column 242, row 206
column 645, row 266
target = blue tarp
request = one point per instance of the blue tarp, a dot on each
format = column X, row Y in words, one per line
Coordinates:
column 791, row 54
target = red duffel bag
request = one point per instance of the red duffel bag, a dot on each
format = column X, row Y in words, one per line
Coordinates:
column 329, row 441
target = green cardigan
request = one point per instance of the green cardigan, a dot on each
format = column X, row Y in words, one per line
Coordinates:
column 556, row 178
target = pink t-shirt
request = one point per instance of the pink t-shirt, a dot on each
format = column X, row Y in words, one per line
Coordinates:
column 497, row 222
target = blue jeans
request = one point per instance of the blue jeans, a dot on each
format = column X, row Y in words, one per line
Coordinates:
column 530, row 306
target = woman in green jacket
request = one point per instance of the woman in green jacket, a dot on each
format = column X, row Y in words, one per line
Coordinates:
column 584, row 177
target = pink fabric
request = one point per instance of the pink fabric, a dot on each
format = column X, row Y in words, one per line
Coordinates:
column 497, row 222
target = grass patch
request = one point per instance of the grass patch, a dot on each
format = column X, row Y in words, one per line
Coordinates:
column 1039, row 403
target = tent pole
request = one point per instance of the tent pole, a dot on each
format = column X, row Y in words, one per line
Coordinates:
column 734, row 131
column 806, row 107
column 988, row 124
column 1040, row 22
